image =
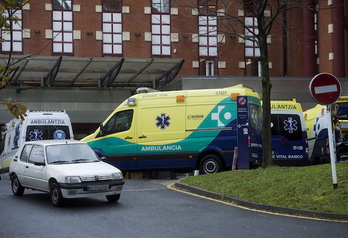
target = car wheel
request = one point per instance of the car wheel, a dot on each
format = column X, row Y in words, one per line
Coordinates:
column 16, row 186
column 113, row 198
column 210, row 164
column 56, row 195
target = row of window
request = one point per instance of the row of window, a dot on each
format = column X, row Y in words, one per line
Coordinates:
column 112, row 36
column 62, row 26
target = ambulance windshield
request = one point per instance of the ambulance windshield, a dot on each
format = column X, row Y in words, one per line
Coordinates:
column 255, row 117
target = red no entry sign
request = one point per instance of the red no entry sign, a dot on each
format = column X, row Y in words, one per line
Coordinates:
column 325, row 88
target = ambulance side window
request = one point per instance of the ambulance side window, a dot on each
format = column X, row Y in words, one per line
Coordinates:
column 121, row 121
column 287, row 125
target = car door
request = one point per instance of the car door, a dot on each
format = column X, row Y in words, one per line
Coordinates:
column 22, row 163
column 36, row 169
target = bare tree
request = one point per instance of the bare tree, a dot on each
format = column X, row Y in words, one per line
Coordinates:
column 264, row 14
column 8, row 18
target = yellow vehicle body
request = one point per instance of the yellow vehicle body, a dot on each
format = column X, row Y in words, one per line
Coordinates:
column 174, row 129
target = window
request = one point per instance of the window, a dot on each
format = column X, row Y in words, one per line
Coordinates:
column 112, row 5
column 112, row 27
column 35, row 133
column 251, row 48
column 121, row 121
column 37, row 155
column 207, row 7
column 161, row 28
column 208, row 36
column 160, row 6
column 287, row 125
column 70, row 153
column 62, row 4
column 25, row 153
column 16, row 37
column 255, row 117
column 62, row 20
column 209, row 68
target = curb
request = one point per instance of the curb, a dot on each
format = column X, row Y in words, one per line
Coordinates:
column 259, row 206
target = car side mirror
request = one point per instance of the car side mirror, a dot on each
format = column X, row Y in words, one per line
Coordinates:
column 103, row 158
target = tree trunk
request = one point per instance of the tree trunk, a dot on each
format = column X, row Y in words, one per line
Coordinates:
column 267, row 159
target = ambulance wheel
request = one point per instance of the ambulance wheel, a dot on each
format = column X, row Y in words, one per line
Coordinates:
column 210, row 164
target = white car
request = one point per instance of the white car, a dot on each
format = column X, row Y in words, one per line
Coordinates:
column 64, row 169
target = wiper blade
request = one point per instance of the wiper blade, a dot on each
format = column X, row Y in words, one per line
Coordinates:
column 60, row 162
column 81, row 160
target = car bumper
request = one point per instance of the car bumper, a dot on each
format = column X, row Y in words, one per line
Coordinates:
column 89, row 189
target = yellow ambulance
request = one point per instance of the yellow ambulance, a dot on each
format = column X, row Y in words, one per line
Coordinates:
column 193, row 129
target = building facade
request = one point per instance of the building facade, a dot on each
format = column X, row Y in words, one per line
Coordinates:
column 303, row 42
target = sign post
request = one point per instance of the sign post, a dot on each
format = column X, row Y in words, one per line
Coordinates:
column 326, row 89
column 242, row 133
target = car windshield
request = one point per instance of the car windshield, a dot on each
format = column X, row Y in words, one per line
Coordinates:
column 70, row 153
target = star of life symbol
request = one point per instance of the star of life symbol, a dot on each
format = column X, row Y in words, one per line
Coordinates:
column 163, row 121
column 35, row 135
column 290, row 125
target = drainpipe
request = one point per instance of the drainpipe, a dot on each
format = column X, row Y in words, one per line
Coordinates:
column 338, row 20
column 309, row 38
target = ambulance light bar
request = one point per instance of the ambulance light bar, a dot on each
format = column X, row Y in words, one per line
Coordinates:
column 131, row 102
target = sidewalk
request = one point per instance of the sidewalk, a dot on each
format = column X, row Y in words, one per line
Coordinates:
column 258, row 206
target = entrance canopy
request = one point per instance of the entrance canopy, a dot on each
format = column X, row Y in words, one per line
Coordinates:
column 68, row 71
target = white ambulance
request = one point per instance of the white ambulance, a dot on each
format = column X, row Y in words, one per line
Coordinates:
column 38, row 125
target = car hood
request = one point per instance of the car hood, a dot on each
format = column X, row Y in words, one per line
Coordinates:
column 84, row 169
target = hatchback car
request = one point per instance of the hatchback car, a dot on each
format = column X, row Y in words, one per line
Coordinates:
column 64, row 169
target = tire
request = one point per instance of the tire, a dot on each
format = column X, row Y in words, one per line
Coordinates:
column 210, row 164
column 113, row 198
column 56, row 195
column 16, row 186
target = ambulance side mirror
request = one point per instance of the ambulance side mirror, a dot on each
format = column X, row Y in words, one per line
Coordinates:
column 101, row 128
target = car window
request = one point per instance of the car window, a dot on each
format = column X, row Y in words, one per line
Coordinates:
column 25, row 153
column 37, row 154
column 70, row 153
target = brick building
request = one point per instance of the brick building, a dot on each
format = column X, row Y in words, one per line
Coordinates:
column 103, row 42
column 302, row 42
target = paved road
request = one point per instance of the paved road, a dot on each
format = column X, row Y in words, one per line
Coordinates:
column 147, row 208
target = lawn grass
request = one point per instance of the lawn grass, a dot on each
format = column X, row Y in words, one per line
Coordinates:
column 307, row 188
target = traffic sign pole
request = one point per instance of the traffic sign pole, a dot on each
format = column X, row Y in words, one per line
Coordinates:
column 332, row 147
column 326, row 89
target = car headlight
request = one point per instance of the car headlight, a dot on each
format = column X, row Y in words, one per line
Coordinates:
column 117, row 176
column 72, row 179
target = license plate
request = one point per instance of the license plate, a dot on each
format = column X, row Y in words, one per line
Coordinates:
column 97, row 187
